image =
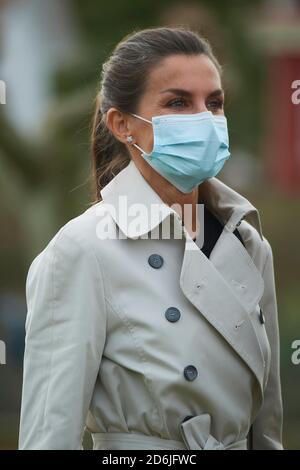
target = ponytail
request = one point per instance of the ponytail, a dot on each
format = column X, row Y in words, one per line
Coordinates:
column 109, row 155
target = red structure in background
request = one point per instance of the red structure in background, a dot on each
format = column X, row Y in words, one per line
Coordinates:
column 284, row 136
column 280, row 30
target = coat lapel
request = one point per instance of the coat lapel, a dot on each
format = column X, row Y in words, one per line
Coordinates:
column 225, row 288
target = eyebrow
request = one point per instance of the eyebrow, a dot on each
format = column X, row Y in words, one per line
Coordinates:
column 179, row 91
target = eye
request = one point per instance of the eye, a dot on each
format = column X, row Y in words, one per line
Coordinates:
column 215, row 105
column 176, row 102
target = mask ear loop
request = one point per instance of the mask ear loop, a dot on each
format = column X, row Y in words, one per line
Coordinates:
column 142, row 151
column 135, row 145
column 140, row 117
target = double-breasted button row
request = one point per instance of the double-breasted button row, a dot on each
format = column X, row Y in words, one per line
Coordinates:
column 172, row 314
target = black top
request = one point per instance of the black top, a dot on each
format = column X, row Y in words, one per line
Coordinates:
column 212, row 230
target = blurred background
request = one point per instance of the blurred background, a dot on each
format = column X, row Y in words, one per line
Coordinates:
column 50, row 60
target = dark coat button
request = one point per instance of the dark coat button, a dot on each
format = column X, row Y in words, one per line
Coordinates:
column 172, row 314
column 156, row 261
column 187, row 418
column 261, row 317
column 190, row 372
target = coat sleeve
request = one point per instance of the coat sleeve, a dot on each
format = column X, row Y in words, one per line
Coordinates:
column 65, row 335
column 267, row 427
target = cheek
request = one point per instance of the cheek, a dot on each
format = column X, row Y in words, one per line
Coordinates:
column 150, row 140
column 145, row 139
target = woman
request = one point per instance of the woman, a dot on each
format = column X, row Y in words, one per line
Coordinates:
column 149, row 339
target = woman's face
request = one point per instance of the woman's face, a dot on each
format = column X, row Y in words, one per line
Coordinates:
column 180, row 84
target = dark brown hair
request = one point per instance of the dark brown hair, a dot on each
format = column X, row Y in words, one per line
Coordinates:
column 123, row 82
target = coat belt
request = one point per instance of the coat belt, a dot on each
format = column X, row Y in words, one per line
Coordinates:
column 127, row 441
column 195, row 433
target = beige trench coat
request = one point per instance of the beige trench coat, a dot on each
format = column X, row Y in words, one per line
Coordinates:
column 104, row 350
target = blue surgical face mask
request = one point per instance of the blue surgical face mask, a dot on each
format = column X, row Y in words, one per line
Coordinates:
column 188, row 148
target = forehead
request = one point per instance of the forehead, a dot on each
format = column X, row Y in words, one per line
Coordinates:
column 197, row 73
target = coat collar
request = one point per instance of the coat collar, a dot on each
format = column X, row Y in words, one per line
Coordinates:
column 226, row 287
column 229, row 206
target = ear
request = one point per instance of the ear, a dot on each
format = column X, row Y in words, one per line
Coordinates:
column 117, row 123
